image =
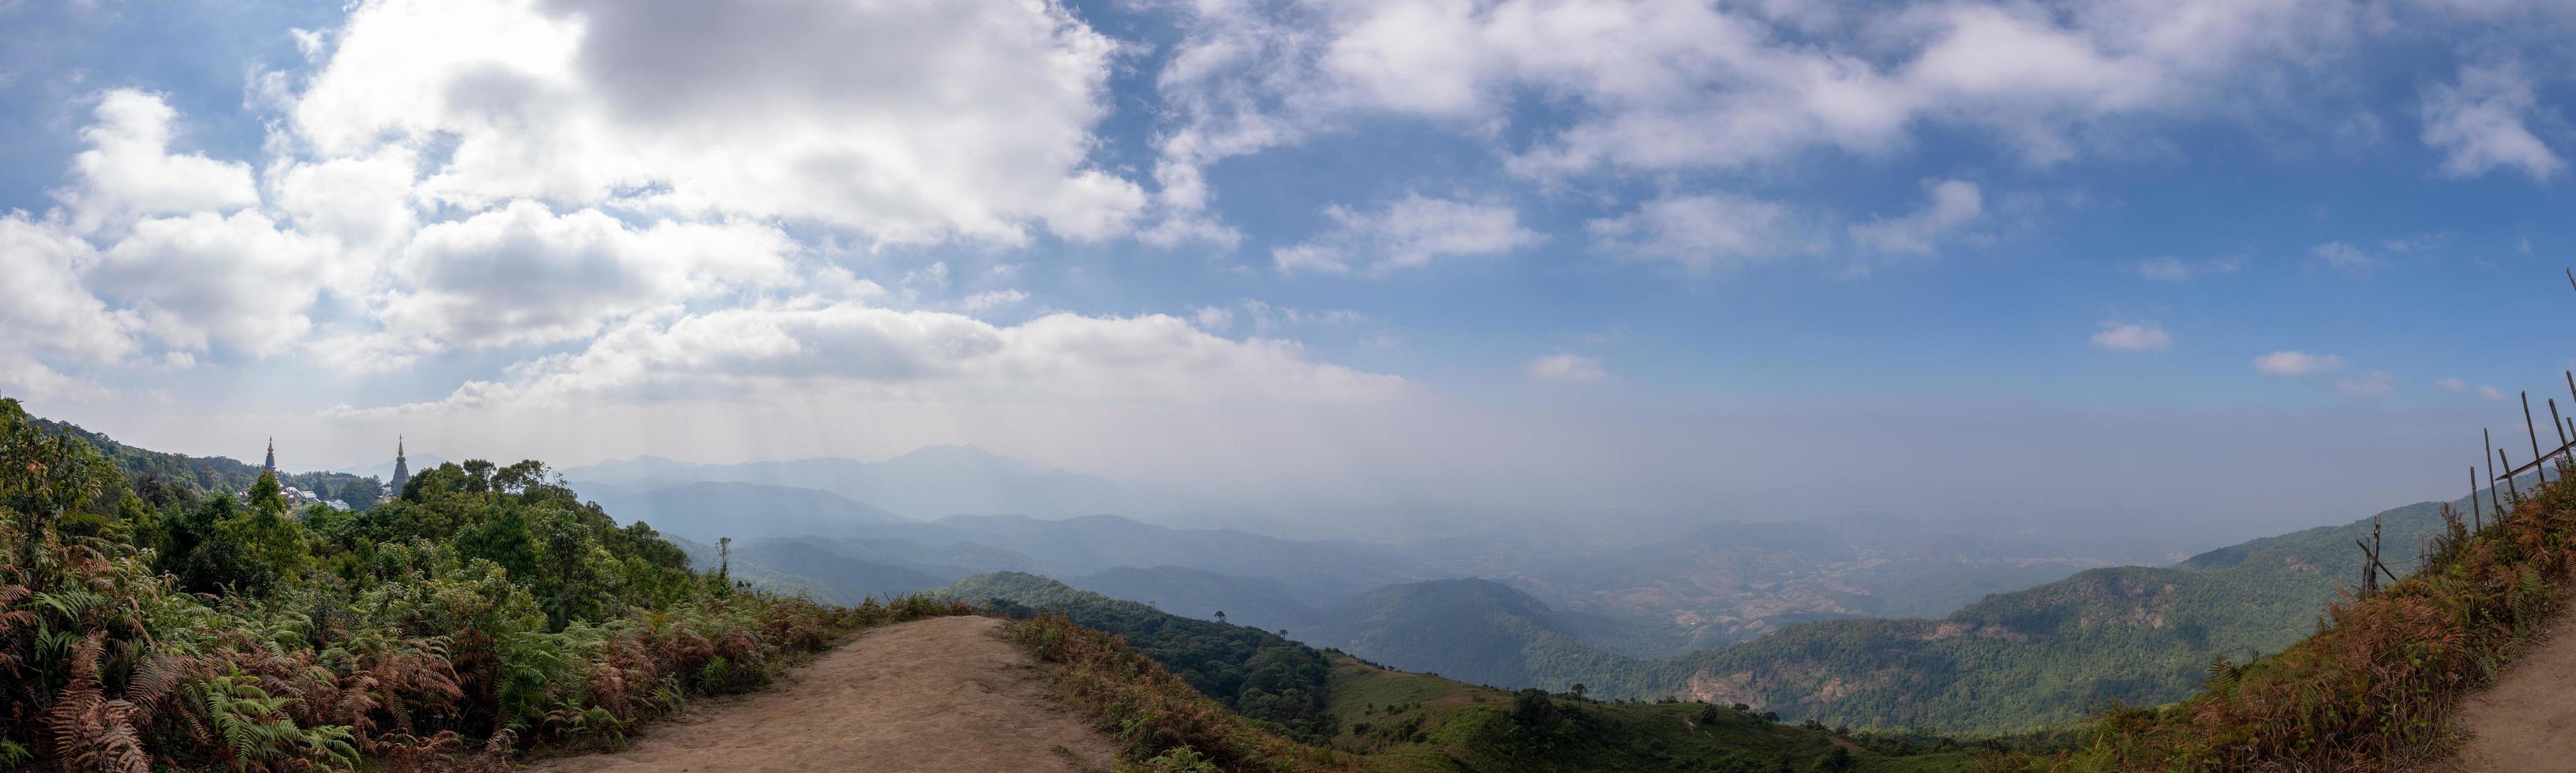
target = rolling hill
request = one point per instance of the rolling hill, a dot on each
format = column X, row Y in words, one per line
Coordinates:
column 2025, row 660
column 929, row 482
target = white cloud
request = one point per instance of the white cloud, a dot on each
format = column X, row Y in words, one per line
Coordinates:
column 1408, row 233
column 1564, row 369
column 2375, row 384
column 1705, row 232
column 523, row 274
column 2346, row 258
column 200, row 280
column 50, row 316
column 1268, row 318
column 128, row 170
column 810, row 347
column 992, row 299
column 2292, row 363
column 933, row 275
column 2481, row 124
column 912, row 121
column 1658, row 85
column 1214, row 319
column 364, row 201
column 2131, row 337
column 2171, row 269
column 2490, row 392
column 2451, row 384
column 1953, row 204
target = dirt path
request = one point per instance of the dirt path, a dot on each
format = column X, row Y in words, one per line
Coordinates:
column 945, row 694
column 2527, row 722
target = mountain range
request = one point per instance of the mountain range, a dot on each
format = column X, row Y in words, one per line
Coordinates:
column 929, row 482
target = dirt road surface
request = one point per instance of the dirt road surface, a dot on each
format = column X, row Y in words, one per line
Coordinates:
column 2527, row 722
column 944, row 694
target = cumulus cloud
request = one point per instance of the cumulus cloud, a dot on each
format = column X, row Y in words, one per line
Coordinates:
column 861, row 352
column 1704, row 233
column 911, row 122
column 2490, row 392
column 2294, row 363
column 2481, row 123
column 2171, row 269
column 365, row 201
column 1650, row 86
column 1953, row 205
column 2451, row 384
column 1408, row 233
column 202, row 280
column 50, row 316
column 523, row 274
column 1564, row 369
column 128, row 170
column 2131, row 337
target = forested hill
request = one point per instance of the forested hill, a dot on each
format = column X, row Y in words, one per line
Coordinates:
column 2036, row 658
column 2043, row 657
column 149, row 469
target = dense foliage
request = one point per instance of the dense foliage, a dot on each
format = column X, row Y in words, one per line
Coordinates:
column 1259, row 674
column 2376, row 689
column 146, row 627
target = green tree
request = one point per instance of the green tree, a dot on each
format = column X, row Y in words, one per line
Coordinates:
column 1835, row 760
column 502, row 537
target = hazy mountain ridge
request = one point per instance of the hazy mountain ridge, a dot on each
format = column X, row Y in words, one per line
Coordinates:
column 926, row 483
column 707, row 511
column 2026, row 659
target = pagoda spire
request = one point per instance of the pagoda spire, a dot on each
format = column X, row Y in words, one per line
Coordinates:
column 271, row 465
column 402, row 469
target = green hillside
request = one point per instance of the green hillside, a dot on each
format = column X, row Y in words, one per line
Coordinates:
column 1475, row 631
column 2026, row 660
column 1402, row 721
column 161, row 477
column 2046, row 656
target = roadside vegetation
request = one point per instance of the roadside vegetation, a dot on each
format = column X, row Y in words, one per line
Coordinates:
column 150, row 624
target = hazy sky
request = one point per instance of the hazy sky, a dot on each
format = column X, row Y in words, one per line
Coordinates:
column 2233, row 263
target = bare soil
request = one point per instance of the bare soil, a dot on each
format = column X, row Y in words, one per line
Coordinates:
column 944, row 694
column 2526, row 723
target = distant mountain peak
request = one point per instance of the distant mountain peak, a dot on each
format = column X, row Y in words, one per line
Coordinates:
column 960, row 453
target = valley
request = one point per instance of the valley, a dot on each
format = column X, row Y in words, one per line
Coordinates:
column 1870, row 622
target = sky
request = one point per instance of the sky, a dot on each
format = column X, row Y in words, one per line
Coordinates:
column 2224, row 266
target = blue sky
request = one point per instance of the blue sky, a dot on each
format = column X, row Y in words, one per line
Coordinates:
column 1582, row 254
